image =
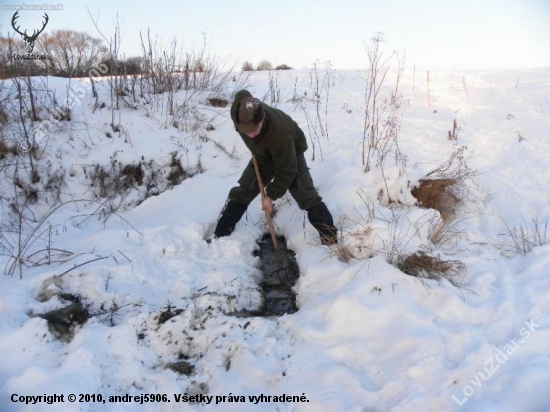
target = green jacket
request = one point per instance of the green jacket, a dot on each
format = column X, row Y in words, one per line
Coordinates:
column 278, row 144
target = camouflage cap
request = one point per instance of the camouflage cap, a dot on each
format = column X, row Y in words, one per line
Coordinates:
column 249, row 114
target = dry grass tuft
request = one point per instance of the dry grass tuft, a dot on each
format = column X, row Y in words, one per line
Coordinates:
column 342, row 252
column 218, row 102
column 421, row 265
column 526, row 236
column 445, row 186
column 438, row 194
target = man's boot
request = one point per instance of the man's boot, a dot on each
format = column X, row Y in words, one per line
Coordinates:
column 321, row 219
column 231, row 214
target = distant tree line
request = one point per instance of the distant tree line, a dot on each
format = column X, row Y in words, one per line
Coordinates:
column 63, row 53
column 263, row 65
column 69, row 53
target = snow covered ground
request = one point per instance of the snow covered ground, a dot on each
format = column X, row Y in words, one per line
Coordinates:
column 366, row 337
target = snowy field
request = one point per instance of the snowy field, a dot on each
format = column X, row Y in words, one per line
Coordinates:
column 366, row 337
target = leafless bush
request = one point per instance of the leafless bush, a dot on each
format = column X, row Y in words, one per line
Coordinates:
column 320, row 82
column 283, row 67
column 274, row 90
column 71, row 53
column 383, row 111
column 264, row 65
column 186, row 79
column 27, row 241
column 116, row 179
column 247, row 67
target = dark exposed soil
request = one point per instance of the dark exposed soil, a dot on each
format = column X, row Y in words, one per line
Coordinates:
column 63, row 321
column 280, row 273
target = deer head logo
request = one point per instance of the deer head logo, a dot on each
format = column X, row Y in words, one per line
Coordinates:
column 28, row 39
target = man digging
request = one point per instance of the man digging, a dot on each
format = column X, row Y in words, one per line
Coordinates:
column 279, row 145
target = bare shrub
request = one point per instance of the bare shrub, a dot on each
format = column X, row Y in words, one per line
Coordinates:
column 116, row 180
column 320, row 81
column 27, row 240
column 283, row 67
column 247, row 67
column 264, row 65
column 71, row 53
column 184, row 79
column 274, row 91
column 383, row 111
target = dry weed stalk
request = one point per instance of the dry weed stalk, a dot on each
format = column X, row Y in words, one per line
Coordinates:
column 453, row 134
column 526, row 236
column 342, row 250
column 383, row 110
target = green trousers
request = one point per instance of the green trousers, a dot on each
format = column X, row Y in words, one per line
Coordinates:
column 301, row 189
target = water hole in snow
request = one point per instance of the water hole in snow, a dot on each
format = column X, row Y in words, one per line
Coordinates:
column 280, row 273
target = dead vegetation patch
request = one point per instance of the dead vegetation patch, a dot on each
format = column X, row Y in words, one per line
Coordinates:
column 177, row 173
column 63, row 322
column 218, row 102
column 7, row 149
column 117, row 179
column 134, row 174
column 444, row 187
column 424, row 266
column 342, row 250
column 168, row 314
column 438, row 194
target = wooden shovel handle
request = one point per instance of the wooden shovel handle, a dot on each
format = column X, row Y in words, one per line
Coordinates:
column 267, row 214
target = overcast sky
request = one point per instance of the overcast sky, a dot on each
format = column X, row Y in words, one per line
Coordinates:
column 478, row 34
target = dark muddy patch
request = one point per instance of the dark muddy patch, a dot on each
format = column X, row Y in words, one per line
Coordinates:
column 181, row 367
column 62, row 322
column 168, row 314
column 280, row 273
